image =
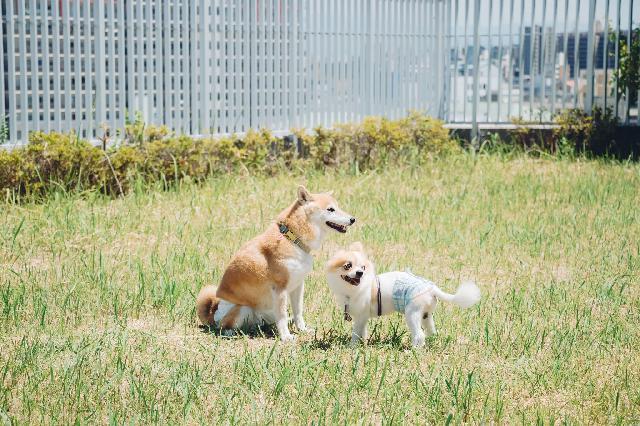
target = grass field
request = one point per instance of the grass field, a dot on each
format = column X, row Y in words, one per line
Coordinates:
column 97, row 320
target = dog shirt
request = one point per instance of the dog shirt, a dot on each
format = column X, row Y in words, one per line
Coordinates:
column 406, row 287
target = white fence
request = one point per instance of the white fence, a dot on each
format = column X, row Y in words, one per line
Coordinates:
column 216, row 66
column 222, row 66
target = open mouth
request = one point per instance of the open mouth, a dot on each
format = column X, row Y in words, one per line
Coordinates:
column 337, row 227
column 352, row 281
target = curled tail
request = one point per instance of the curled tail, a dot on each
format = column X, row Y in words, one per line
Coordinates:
column 207, row 305
column 467, row 295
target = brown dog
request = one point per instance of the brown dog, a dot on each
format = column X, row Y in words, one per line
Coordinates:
column 272, row 267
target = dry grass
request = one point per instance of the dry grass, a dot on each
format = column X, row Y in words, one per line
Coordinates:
column 97, row 319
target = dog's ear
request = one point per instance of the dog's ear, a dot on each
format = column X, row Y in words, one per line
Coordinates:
column 337, row 260
column 304, row 196
column 357, row 246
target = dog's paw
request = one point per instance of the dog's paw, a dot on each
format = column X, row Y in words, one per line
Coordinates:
column 287, row 338
column 303, row 328
column 356, row 341
column 301, row 325
column 418, row 342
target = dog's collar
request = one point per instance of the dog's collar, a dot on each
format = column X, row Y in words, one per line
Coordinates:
column 289, row 235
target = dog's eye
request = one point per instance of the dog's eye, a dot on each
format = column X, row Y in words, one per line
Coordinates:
column 331, row 209
column 364, row 267
column 347, row 266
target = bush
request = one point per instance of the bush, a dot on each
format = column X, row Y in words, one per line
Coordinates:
column 524, row 136
column 593, row 134
column 153, row 154
column 574, row 126
column 377, row 141
column 429, row 135
column 576, row 132
column 10, row 170
column 55, row 160
column 603, row 136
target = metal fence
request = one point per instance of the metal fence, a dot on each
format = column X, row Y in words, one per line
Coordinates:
column 222, row 66
column 530, row 59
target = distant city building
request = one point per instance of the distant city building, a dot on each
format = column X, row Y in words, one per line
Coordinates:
column 538, row 51
column 531, row 45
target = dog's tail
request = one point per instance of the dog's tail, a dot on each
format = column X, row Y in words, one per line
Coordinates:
column 207, row 305
column 467, row 295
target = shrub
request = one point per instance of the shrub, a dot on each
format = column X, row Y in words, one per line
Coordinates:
column 627, row 76
column 321, row 147
column 149, row 153
column 527, row 137
column 58, row 160
column 377, row 141
column 575, row 126
column 10, row 170
column 254, row 149
column 223, row 154
column 173, row 158
column 429, row 134
column 125, row 165
column 593, row 134
column 603, row 136
column 575, row 132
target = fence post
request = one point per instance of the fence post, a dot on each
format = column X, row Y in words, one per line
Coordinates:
column 444, row 102
column 616, row 57
column 443, row 55
column 2, row 107
column 628, row 89
column 100, row 70
column 369, row 108
column 3, row 124
column 196, row 84
column 588, row 102
column 22, row 57
column 204, row 70
column 476, row 65
column 253, row 29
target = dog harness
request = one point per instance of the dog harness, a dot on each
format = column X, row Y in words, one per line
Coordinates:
column 406, row 288
column 289, row 235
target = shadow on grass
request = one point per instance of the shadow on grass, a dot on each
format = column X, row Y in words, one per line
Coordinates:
column 398, row 339
column 260, row 332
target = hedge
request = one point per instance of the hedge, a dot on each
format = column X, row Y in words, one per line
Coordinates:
column 57, row 161
column 599, row 134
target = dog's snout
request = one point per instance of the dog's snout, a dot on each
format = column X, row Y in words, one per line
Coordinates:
column 359, row 274
column 353, row 220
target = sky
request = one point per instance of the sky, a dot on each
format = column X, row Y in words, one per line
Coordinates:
column 491, row 9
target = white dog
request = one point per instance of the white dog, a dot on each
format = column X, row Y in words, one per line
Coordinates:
column 362, row 294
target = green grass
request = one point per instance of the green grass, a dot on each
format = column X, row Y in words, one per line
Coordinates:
column 97, row 320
